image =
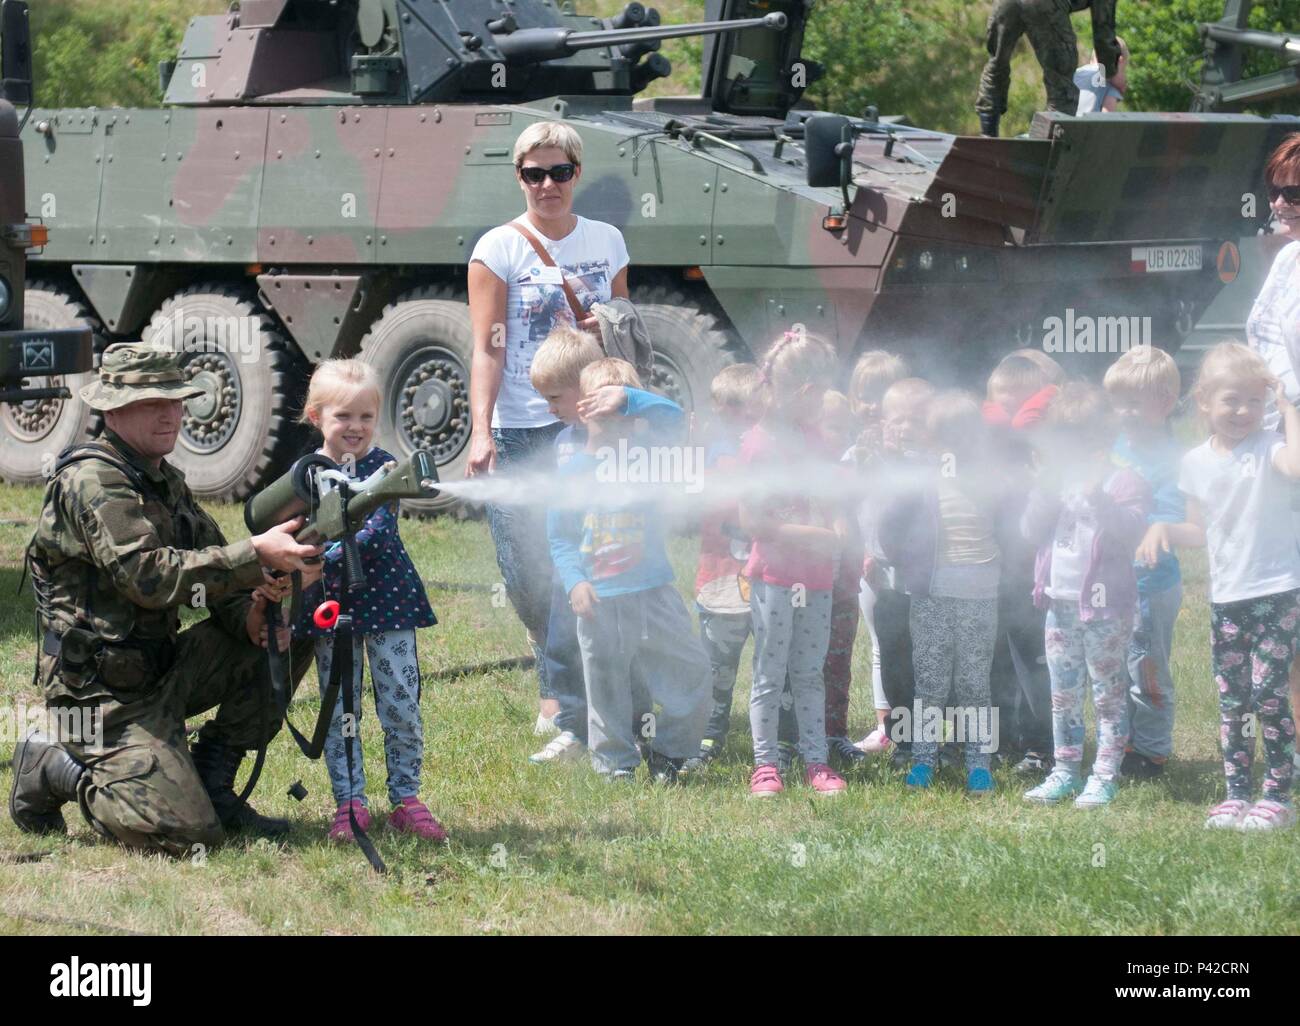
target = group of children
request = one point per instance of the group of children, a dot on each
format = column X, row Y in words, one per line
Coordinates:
column 981, row 543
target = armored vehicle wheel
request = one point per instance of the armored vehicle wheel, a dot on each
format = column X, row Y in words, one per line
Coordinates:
column 233, row 437
column 421, row 348
column 691, row 345
column 34, row 432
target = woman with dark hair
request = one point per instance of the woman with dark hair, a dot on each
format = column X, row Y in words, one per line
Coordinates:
column 516, row 297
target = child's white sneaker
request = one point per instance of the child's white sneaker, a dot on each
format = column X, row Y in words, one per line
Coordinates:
column 1267, row 814
column 544, row 726
column 564, row 746
column 877, row 741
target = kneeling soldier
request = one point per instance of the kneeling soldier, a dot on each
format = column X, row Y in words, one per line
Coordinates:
column 120, row 547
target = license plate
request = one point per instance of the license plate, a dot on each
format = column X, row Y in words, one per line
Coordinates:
column 1157, row 259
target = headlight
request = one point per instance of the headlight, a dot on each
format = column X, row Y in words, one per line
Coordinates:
column 5, row 296
column 926, row 260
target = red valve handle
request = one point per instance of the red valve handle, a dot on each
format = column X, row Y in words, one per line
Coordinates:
column 326, row 615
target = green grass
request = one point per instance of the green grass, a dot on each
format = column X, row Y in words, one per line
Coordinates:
column 556, row 851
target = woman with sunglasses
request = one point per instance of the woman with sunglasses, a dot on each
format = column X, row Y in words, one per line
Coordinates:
column 516, row 298
column 1273, row 327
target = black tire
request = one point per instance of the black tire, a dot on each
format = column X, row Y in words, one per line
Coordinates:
column 237, row 436
column 421, row 347
column 32, row 434
column 691, row 344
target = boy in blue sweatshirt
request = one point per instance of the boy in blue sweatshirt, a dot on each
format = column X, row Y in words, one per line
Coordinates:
column 608, row 549
column 1144, row 386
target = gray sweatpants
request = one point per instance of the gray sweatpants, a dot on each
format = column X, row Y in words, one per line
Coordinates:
column 652, row 631
column 792, row 631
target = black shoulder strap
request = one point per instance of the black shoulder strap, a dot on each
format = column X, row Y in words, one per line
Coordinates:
column 98, row 451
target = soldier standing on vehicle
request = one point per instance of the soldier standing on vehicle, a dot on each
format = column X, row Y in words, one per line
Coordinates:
column 120, row 547
column 1047, row 24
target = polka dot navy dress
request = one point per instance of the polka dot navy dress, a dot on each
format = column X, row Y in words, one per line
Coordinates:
column 393, row 598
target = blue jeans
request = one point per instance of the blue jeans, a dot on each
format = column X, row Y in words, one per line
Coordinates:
column 1151, row 685
column 564, row 665
column 519, row 535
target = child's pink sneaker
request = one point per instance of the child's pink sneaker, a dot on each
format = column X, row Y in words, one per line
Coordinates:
column 342, row 828
column 765, row 782
column 824, row 780
column 412, row 817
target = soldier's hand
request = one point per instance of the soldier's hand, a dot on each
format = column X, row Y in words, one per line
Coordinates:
column 275, row 588
column 278, row 549
column 313, row 573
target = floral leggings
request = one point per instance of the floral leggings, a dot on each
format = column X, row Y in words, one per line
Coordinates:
column 1076, row 650
column 1254, row 644
column 395, row 677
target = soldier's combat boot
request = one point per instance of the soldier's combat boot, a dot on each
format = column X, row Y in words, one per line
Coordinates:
column 45, row 777
column 989, row 125
column 218, row 766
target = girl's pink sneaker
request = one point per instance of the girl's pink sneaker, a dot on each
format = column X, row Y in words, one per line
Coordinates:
column 765, row 782
column 412, row 817
column 824, row 780
column 342, row 828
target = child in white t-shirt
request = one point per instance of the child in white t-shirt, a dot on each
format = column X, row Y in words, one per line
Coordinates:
column 1238, row 503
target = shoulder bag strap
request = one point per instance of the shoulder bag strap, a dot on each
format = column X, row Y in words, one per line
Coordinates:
column 578, row 312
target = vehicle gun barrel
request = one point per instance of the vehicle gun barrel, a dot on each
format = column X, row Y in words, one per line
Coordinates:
column 1289, row 45
column 545, row 44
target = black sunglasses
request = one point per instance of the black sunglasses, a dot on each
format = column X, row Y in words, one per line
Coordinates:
column 536, row 175
column 1290, row 193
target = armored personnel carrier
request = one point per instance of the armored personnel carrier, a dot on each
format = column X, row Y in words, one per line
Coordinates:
column 319, row 172
column 33, row 363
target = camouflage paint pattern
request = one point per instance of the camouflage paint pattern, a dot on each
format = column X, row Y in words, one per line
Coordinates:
column 951, row 244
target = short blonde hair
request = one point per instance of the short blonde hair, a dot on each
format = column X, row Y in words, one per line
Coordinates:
column 1229, row 362
column 542, row 135
column 559, row 360
column 736, row 385
column 608, row 371
column 1025, row 370
column 908, row 390
column 874, row 372
column 1144, row 369
column 337, row 381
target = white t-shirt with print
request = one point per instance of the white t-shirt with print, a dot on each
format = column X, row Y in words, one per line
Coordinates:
column 1246, row 504
column 590, row 256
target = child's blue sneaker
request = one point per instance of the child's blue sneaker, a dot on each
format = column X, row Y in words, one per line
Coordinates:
column 1059, row 785
column 1097, row 793
column 979, row 781
column 920, row 775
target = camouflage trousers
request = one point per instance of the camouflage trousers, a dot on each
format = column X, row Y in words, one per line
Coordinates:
column 1047, row 24
column 140, row 785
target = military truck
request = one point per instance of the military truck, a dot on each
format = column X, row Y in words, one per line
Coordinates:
column 1245, row 264
column 319, row 173
column 33, row 363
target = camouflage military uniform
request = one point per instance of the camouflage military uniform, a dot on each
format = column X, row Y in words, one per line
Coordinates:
column 121, row 560
column 1047, row 24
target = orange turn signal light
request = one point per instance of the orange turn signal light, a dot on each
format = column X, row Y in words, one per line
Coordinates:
column 835, row 222
column 693, row 274
column 39, row 234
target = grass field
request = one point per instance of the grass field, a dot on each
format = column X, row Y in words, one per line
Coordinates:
column 556, row 851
